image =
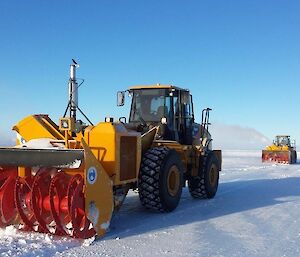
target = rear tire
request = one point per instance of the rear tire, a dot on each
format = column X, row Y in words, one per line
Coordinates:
column 293, row 158
column 205, row 185
column 160, row 179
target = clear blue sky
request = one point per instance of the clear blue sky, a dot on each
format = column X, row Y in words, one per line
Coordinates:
column 242, row 58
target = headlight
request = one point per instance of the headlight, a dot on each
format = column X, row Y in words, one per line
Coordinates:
column 163, row 120
column 65, row 124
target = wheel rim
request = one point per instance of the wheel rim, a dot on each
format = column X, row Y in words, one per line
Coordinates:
column 213, row 175
column 173, row 180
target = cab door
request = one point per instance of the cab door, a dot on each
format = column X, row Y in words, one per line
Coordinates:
column 187, row 118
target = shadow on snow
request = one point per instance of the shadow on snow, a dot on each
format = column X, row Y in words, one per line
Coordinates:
column 232, row 197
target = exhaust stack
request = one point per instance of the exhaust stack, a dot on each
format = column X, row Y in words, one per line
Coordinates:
column 73, row 90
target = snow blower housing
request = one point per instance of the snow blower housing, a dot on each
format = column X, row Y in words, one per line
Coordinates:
column 67, row 179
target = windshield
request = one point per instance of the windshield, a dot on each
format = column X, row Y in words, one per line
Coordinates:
column 149, row 105
column 283, row 140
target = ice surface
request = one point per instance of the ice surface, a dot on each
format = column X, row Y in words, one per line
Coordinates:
column 256, row 212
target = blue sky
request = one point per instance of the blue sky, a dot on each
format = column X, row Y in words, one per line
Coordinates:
column 242, row 58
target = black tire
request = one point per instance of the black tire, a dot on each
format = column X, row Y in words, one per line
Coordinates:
column 293, row 157
column 160, row 179
column 205, row 185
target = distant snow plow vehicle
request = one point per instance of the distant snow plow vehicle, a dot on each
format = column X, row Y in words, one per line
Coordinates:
column 68, row 179
column 283, row 150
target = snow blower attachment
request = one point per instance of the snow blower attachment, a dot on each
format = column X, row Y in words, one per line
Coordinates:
column 46, row 191
column 281, row 151
column 53, row 183
column 68, row 179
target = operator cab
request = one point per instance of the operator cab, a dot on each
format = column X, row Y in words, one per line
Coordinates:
column 168, row 106
column 283, row 141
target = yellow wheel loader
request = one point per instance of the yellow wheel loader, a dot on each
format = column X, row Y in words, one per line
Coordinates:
column 68, row 179
column 283, row 150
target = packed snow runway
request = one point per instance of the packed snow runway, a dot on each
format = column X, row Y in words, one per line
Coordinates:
column 256, row 212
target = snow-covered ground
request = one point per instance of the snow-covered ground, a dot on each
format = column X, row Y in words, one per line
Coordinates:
column 256, row 212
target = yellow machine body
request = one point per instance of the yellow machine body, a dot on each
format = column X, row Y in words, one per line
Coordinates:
column 118, row 150
column 111, row 144
column 277, row 148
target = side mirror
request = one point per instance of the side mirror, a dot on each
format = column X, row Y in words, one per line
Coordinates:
column 122, row 119
column 120, row 98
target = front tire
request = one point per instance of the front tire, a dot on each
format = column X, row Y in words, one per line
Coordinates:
column 160, row 179
column 205, row 185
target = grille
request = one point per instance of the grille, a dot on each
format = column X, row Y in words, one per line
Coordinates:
column 128, row 155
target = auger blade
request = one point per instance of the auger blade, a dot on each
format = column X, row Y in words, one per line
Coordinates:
column 8, row 212
column 41, row 190
column 51, row 201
